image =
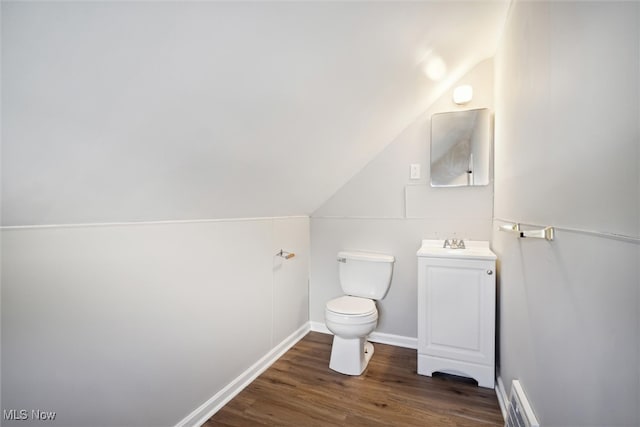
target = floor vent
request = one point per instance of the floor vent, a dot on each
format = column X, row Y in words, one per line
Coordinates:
column 519, row 412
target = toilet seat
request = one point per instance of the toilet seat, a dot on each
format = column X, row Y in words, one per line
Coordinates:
column 351, row 306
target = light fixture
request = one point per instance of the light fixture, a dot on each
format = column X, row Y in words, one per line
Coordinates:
column 462, row 94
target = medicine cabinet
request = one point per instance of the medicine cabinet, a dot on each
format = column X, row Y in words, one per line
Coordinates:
column 461, row 148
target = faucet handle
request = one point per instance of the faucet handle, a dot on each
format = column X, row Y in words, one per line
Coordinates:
column 446, row 243
column 461, row 244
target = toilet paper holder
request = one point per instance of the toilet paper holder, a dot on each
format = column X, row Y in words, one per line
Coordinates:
column 285, row 254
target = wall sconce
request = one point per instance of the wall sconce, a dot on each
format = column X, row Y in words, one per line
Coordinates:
column 462, row 94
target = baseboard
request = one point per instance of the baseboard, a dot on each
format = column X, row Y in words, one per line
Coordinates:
column 397, row 340
column 502, row 396
column 380, row 337
column 213, row 405
column 319, row 327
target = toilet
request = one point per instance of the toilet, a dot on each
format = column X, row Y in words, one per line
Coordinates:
column 364, row 277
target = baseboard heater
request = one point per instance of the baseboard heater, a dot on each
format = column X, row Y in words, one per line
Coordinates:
column 519, row 411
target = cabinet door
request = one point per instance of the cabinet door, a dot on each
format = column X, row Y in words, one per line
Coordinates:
column 457, row 309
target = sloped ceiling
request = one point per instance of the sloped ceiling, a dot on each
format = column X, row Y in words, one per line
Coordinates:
column 136, row 111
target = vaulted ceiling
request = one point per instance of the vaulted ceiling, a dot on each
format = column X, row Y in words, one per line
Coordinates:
column 134, row 111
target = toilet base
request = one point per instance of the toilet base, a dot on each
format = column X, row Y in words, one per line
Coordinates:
column 350, row 356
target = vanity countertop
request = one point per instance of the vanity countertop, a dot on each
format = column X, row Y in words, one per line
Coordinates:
column 475, row 249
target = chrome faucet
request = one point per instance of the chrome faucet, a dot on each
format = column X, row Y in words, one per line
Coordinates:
column 454, row 244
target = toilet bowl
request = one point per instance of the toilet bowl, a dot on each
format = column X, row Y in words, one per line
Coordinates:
column 352, row 317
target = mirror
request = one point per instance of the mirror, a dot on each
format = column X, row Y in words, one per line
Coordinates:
column 460, row 148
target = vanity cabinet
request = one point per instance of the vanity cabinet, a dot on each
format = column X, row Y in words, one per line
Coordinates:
column 456, row 311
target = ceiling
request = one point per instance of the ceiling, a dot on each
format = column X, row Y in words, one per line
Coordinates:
column 142, row 111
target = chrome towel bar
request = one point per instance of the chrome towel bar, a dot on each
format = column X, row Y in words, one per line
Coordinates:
column 546, row 233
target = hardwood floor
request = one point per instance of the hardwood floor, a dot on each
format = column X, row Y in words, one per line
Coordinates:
column 300, row 390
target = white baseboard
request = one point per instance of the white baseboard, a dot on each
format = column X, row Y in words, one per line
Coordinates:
column 502, row 396
column 213, row 405
column 319, row 327
column 380, row 337
column 397, row 340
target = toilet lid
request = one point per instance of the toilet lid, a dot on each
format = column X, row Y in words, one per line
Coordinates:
column 351, row 305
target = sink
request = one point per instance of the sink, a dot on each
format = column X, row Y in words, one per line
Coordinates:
column 475, row 249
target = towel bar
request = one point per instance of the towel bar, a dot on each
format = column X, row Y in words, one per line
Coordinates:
column 546, row 233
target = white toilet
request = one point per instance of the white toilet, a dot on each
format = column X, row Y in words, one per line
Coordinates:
column 364, row 277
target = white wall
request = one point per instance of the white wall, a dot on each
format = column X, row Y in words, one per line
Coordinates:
column 138, row 325
column 381, row 209
column 159, row 110
column 567, row 141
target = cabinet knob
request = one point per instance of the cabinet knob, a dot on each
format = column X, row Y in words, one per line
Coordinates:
column 489, row 272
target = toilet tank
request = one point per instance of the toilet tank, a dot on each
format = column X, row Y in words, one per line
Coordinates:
column 365, row 274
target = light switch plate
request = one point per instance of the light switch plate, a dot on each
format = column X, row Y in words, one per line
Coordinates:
column 415, row 171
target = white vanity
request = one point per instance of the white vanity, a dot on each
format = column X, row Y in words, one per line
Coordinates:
column 456, row 310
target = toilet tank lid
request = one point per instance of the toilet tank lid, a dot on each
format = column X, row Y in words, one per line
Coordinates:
column 366, row 256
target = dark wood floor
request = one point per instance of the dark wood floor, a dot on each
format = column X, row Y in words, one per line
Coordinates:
column 300, row 390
